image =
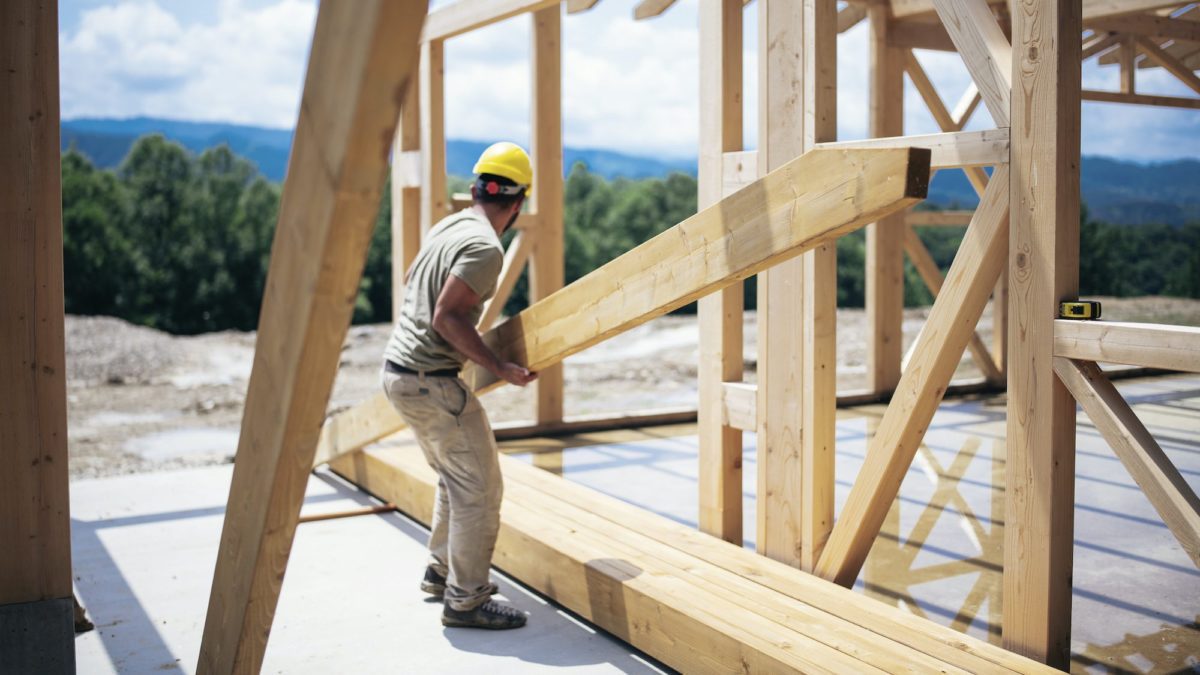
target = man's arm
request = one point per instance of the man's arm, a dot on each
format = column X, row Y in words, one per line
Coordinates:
column 451, row 321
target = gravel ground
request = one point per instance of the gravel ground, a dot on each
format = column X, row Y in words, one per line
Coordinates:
column 142, row 400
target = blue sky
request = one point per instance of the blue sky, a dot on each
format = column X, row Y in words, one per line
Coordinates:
column 628, row 86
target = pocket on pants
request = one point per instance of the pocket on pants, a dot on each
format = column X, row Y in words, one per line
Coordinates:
column 456, row 396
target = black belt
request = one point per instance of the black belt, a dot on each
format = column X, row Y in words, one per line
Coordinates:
column 393, row 367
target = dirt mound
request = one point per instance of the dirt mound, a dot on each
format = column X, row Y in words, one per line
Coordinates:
column 104, row 350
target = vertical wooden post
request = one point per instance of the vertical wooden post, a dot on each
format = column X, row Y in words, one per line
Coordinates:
column 797, row 300
column 1044, row 270
column 885, row 239
column 435, row 202
column 363, row 56
column 819, row 376
column 35, row 530
column 1128, row 56
column 406, row 197
column 547, row 261
column 720, row 483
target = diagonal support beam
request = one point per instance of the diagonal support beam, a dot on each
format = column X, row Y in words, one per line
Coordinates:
column 984, row 48
column 947, row 331
column 1150, row 467
column 806, row 203
column 1170, row 63
column 363, row 57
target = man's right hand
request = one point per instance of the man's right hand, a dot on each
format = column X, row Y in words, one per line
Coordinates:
column 515, row 374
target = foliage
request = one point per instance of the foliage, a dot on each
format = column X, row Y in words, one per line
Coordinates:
column 180, row 242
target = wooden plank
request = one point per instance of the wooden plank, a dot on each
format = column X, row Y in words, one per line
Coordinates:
column 819, row 376
column 807, row 202
column 406, row 193
column 932, row 276
column 985, row 50
column 738, row 169
column 720, row 314
column 1136, row 344
column 431, row 79
column 547, row 262
column 1043, row 270
column 885, row 256
column 920, row 35
column 464, row 16
column 939, row 218
column 1141, row 99
column 1149, row 25
column 1150, row 467
column 1169, row 63
column 577, row 6
column 587, row 424
column 950, row 150
column 850, row 16
column 514, row 264
column 924, row 87
column 965, row 107
column 35, row 528
column 739, row 409
column 939, row 349
column 651, row 8
column 363, row 55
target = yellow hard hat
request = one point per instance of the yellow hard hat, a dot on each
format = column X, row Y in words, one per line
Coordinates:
column 508, row 160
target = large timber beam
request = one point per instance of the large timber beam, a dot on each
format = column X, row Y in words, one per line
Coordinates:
column 362, row 59
column 1136, row 344
column 808, row 202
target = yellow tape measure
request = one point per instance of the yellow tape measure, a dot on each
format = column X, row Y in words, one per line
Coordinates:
column 1080, row 309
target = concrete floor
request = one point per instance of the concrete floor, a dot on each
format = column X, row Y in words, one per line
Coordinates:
column 145, row 548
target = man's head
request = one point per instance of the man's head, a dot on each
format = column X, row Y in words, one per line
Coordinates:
column 504, row 177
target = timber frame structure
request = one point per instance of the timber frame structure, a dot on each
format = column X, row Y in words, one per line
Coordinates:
column 375, row 86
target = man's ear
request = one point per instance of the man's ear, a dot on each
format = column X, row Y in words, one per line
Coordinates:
column 474, row 194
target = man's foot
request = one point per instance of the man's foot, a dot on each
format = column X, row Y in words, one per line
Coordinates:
column 490, row 615
column 435, row 584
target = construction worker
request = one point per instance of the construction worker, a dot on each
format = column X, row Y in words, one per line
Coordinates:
column 454, row 273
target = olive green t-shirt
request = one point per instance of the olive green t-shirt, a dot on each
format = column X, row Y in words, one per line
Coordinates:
column 465, row 245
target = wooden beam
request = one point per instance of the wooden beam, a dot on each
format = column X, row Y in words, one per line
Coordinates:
column 464, row 16
column 739, row 407
column 406, row 196
column 577, row 6
column 1149, row 25
column 1100, row 44
column 1169, row 63
column 939, row 218
column 939, row 349
column 720, row 314
column 651, row 8
column 1043, row 271
column 965, row 107
column 984, row 49
column 547, row 261
column 850, row 16
column 1128, row 71
column 435, row 203
column 1092, row 9
column 363, row 55
column 35, row 528
column 587, row 424
column 950, row 150
column 885, row 256
column 923, row 261
column 1136, row 344
column 1141, row 99
column 1175, row 501
column 807, row 202
column 924, row 87
column 514, row 264
column 920, row 35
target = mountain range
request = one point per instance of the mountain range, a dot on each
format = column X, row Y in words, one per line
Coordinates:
column 1114, row 190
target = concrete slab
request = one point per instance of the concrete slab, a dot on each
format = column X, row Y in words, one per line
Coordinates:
column 145, row 548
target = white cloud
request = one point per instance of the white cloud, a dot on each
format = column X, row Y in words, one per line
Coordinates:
column 628, row 86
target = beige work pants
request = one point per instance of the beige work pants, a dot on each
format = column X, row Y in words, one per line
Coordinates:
column 453, row 431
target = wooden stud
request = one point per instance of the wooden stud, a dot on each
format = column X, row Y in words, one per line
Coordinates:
column 1136, row 344
column 1128, row 71
column 406, row 197
column 720, row 314
column 35, row 528
column 939, row 349
column 885, row 252
column 547, row 261
column 984, row 48
column 806, row 203
column 1150, row 467
column 923, row 261
column 363, row 55
column 1044, row 270
column 435, row 203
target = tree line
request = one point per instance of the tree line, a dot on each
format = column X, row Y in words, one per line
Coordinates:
column 180, row 242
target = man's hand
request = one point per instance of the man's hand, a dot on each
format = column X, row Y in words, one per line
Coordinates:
column 515, row 374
